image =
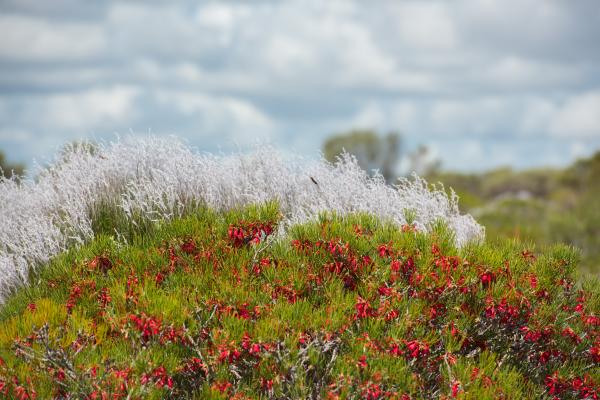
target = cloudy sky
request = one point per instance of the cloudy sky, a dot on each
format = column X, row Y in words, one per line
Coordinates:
column 483, row 83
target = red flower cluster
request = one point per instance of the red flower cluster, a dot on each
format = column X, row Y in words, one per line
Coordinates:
column 249, row 232
column 149, row 327
column 363, row 309
column 104, row 298
column 442, row 318
column 579, row 387
column 73, row 296
column 159, row 377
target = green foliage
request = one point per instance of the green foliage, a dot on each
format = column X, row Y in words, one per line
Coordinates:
column 544, row 206
column 216, row 305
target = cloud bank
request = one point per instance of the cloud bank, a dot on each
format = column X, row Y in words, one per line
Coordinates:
column 483, row 82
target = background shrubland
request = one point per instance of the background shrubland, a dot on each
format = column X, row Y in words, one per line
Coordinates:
column 543, row 206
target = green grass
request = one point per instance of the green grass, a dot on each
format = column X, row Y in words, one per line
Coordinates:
column 343, row 307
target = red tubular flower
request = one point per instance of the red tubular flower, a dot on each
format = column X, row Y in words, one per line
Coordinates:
column 266, row 384
column 104, row 298
column 553, row 384
column 372, row 392
column 487, row 278
column 392, row 315
column 533, row 282
column 455, row 388
column 189, row 247
column 363, row 309
column 395, row 350
column 362, row 362
column 595, row 353
column 222, row 386
column 384, row 251
column 148, row 326
column 255, row 349
column 416, row 349
column 159, row 278
column 73, row 296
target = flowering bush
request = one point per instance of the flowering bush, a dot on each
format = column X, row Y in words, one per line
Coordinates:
column 122, row 187
column 215, row 305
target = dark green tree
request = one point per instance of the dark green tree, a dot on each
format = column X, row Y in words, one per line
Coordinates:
column 372, row 151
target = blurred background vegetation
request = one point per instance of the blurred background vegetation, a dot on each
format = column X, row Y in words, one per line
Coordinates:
column 8, row 169
column 542, row 206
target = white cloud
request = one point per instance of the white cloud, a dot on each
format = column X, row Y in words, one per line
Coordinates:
column 164, row 32
column 516, row 72
column 579, row 116
column 482, row 116
column 537, row 115
column 425, row 25
column 381, row 116
column 470, row 70
column 288, row 56
column 34, row 39
column 88, row 109
column 15, row 135
column 221, row 20
column 228, row 117
column 372, row 116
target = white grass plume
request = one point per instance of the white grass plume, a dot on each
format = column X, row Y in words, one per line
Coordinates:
column 159, row 178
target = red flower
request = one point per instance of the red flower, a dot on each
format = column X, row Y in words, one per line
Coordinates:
column 362, row 362
column 73, row 296
column 595, row 353
column 455, row 387
column 104, row 298
column 487, row 278
column 363, row 309
column 266, row 384
column 60, row 375
column 189, row 247
column 102, row 263
column 255, row 349
column 416, row 349
column 395, row 350
column 222, row 386
column 384, row 250
column 533, row 281
column 159, row 278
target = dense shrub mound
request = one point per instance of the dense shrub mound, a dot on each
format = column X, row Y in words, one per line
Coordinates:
column 216, row 306
column 136, row 181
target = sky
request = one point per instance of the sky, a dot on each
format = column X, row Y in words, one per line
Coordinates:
column 482, row 83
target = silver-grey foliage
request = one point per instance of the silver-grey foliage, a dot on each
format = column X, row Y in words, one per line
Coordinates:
column 159, row 178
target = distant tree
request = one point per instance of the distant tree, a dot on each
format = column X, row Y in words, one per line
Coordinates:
column 8, row 169
column 381, row 153
column 372, row 151
column 423, row 162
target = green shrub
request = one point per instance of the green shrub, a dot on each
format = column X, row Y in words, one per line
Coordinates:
column 217, row 306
